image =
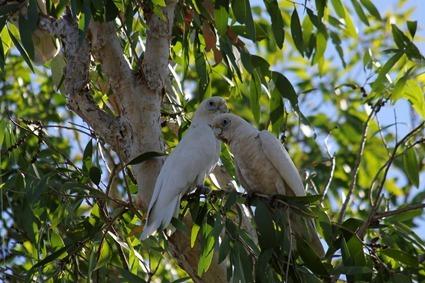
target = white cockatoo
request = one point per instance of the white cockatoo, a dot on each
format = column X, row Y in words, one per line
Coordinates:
column 264, row 166
column 186, row 167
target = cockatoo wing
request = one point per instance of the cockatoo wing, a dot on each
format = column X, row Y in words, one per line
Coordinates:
column 192, row 159
column 281, row 160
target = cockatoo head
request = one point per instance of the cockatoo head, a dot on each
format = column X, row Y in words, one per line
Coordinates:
column 227, row 126
column 209, row 109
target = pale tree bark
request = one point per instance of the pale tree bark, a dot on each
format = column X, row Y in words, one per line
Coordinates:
column 137, row 127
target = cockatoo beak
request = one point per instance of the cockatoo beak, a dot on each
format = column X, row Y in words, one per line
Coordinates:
column 223, row 108
column 217, row 132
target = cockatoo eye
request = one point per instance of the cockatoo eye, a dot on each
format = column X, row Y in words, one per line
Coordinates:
column 226, row 122
column 211, row 103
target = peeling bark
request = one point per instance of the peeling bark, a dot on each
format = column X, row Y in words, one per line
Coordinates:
column 76, row 81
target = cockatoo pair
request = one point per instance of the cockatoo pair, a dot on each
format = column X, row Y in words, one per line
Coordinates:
column 262, row 166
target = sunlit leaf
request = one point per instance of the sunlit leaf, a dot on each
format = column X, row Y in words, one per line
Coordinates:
column 411, row 166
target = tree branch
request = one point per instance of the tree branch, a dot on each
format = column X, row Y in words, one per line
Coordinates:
column 384, row 214
column 107, row 49
column 79, row 100
column 155, row 60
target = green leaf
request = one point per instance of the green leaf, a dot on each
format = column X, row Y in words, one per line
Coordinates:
column 21, row 50
column 160, row 3
column 128, row 276
column 377, row 84
column 57, row 66
column 145, row 156
column 399, row 37
column 87, row 155
column 194, row 234
column 337, row 42
column 263, row 220
column 412, row 26
column 242, row 11
column 262, row 267
column 207, row 249
column 95, row 174
column 231, row 200
column 401, row 256
column 226, row 49
column 46, row 260
column 320, row 7
column 224, row 249
column 411, row 166
column 346, row 256
column 405, row 44
column 277, row 21
column 201, row 69
column 27, row 25
column 276, row 112
column 339, row 8
column 359, row 10
column 221, row 17
column 84, row 20
column 310, row 258
column 254, row 96
column 296, row 32
column 105, row 255
column 285, row 88
column 371, row 8
column 111, row 10
column 321, row 44
column 356, row 251
column 2, row 58
column 179, row 225
column 410, row 90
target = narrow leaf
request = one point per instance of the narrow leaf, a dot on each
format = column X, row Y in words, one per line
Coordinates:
column 371, row 8
column 145, row 156
column 412, row 26
column 277, row 21
column 221, row 17
column 385, row 69
column 411, row 166
column 359, row 10
column 254, row 96
column 21, row 50
column 296, row 32
column 285, row 88
column 194, row 234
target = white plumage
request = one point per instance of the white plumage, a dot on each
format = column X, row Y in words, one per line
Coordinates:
column 264, row 166
column 186, row 167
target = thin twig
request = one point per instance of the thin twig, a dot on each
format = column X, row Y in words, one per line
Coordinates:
column 386, row 168
column 381, row 134
column 356, row 168
column 290, row 245
column 384, row 214
column 333, row 163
